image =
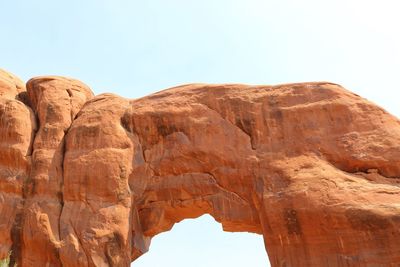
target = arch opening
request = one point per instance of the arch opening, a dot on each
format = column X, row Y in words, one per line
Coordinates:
column 202, row 242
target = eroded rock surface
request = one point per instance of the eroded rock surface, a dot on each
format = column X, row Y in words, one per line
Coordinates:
column 89, row 180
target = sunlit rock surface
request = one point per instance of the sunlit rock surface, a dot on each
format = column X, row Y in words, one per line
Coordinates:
column 89, row 180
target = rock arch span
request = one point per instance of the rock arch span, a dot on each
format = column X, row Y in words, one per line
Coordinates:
column 89, row 180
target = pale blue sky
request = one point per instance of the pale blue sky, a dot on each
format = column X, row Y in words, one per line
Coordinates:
column 134, row 48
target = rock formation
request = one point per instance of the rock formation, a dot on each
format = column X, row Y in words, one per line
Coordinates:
column 89, row 180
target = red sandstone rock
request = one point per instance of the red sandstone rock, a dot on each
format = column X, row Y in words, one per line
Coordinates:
column 17, row 128
column 56, row 101
column 312, row 167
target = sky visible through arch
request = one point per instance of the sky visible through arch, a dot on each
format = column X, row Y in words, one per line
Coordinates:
column 134, row 48
column 202, row 243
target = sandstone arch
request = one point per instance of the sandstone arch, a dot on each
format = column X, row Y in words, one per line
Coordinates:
column 312, row 167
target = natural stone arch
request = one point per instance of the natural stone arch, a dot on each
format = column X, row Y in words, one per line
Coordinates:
column 161, row 195
column 312, row 167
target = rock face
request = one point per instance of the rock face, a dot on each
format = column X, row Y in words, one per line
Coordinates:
column 88, row 181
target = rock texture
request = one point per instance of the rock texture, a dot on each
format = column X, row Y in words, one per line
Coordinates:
column 89, row 180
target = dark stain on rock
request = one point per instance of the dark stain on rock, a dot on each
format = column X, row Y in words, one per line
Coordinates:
column 366, row 220
column 162, row 125
column 16, row 238
column 88, row 132
column 292, row 222
column 164, row 130
column 245, row 124
column 277, row 115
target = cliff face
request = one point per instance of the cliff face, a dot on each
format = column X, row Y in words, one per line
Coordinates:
column 88, row 181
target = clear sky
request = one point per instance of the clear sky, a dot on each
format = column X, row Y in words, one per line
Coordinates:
column 134, row 48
